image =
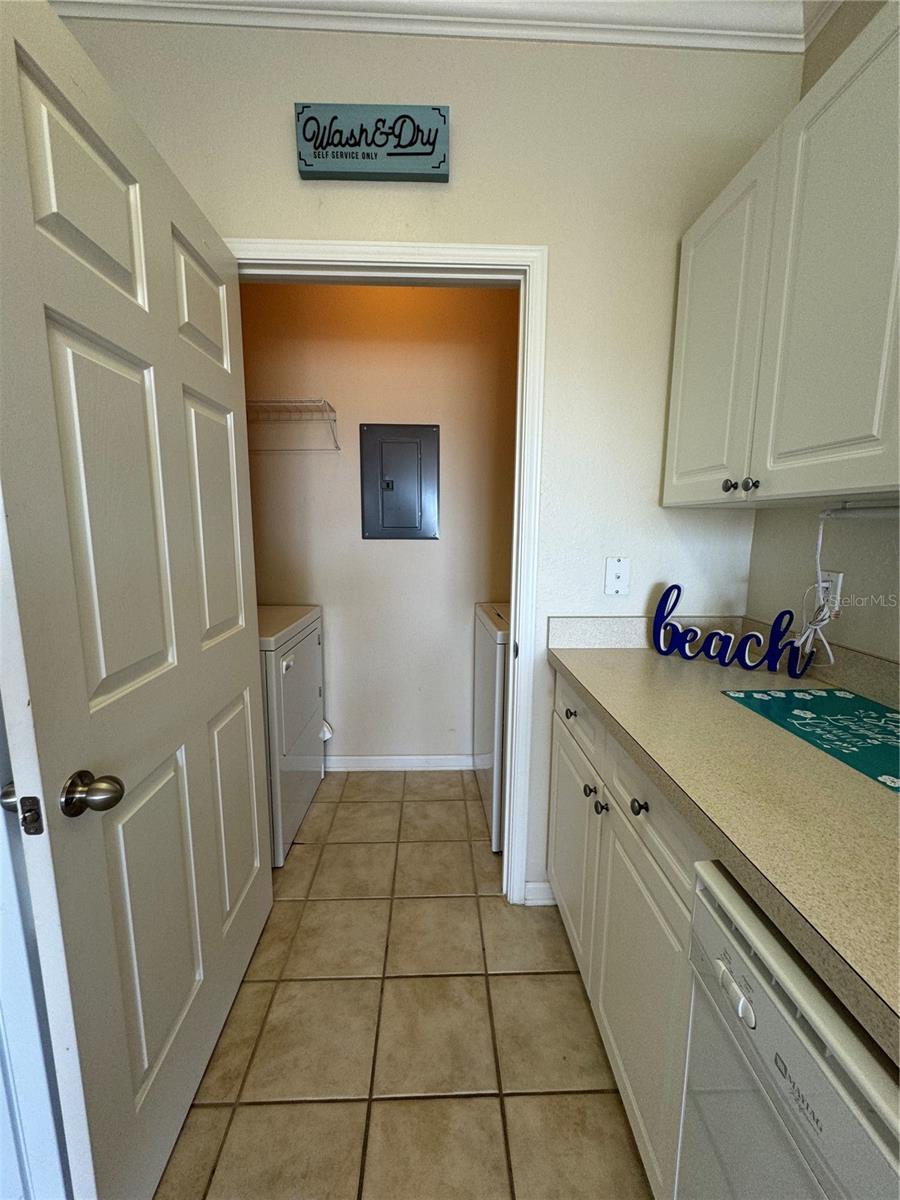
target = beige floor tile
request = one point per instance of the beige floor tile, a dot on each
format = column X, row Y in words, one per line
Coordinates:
column 354, row 871
column 317, row 1042
column 525, row 939
column 470, row 786
column 434, row 869
column 478, row 826
column 434, row 821
column 373, row 785
column 573, row 1148
column 315, row 825
column 191, row 1163
column 339, row 938
column 434, row 785
column 291, row 1152
column 488, row 869
column 546, row 1036
column 331, row 786
column 435, row 1038
column 272, row 948
column 291, row 882
column 360, row 822
column 222, row 1080
column 435, row 937
column 436, row 1150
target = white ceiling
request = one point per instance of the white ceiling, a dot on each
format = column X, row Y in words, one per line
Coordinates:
column 786, row 26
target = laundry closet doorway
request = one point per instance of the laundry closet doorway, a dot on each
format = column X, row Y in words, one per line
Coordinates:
column 359, row 327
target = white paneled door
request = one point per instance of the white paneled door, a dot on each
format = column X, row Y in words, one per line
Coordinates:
column 128, row 608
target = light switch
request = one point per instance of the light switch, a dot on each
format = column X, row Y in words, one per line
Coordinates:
column 618, row 576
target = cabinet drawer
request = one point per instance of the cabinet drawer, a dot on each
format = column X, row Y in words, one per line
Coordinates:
column 667, row 836
column 582, row 721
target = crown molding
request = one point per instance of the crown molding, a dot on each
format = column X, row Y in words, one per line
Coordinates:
column 783, row 26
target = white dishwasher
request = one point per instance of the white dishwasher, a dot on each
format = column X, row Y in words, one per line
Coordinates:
column 290, row 644
column 491, row 641
column 783, row 1098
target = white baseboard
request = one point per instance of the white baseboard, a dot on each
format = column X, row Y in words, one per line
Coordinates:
column 399, row 762
column 539, row 893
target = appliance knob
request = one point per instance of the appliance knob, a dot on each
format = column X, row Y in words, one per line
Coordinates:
column 639, row 806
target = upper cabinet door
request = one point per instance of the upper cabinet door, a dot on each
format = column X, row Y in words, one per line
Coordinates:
column 721, row 294
column 827, row 410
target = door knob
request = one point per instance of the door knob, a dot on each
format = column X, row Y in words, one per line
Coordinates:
column 748, row 484
column 8, row 800
column 570, row 713
column 589, row 791
column 730, row 485
column 82, row 791
column 600, row 807
column 639, row 806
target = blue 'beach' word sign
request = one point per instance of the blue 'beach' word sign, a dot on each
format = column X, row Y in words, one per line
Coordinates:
column 373, row 141
column 718, row 646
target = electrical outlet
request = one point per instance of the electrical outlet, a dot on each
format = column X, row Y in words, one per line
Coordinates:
column 617, row 581
column 832, row 588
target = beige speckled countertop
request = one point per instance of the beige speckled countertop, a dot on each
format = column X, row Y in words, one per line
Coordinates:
column 814, row 842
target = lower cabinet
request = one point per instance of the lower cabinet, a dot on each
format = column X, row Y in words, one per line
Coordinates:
column 640, row 989
column 620, row 886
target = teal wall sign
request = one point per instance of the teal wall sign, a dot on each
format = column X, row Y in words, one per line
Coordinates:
column 373, row 141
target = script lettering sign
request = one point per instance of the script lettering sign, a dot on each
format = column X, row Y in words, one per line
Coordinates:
column 778, row 651
column 373, row 141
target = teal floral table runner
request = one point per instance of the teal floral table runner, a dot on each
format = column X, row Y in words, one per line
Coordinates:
column 860, row 732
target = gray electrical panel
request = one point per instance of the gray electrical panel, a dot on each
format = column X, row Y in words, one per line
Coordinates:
column 399, row 480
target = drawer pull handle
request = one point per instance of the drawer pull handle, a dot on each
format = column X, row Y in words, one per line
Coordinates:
column 600, row 807
column 639, row 806
column 589, row 791
column 570, row 713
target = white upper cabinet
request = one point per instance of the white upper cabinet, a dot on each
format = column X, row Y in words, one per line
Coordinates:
column 721, row 292
column 826, row 417
column 785, row 366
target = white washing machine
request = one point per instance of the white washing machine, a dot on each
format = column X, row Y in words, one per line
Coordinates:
column 491, row 641
column 290, row 644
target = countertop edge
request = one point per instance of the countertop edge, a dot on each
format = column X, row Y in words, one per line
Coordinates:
column 872, row 1012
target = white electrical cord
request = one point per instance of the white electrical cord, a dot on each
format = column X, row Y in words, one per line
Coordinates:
column 822, row 614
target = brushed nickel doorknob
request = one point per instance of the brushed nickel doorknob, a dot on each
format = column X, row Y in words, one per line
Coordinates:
column 8, row 800
column 83, row 791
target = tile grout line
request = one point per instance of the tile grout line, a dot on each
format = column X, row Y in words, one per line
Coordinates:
column 494, row 1046
column 259, row 1032
column 364, row 1149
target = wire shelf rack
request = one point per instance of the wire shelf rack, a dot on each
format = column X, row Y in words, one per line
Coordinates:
column 283, row 412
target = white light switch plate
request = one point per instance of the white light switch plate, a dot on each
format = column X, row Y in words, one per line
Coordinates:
column 618, row 576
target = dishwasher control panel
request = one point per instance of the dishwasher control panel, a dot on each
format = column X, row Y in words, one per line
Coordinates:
column 841, row 1136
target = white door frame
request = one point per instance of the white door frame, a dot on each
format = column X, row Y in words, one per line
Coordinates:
column 456, row 264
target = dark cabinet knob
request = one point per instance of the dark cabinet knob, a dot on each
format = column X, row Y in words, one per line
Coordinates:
column 749, row 484
column 639, row 806
column 570, row 713
column 588, row 790
column 600, row 807
column 730, row 485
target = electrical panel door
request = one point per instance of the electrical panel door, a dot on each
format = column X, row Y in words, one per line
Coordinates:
column 399, row 480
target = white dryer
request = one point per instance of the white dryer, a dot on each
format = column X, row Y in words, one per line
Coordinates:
column 290, row 644
column 491, row 641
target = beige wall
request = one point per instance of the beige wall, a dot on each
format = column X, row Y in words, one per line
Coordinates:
column 782, row 567
column 399, row 621
column 782, row 563
column 605, row 154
